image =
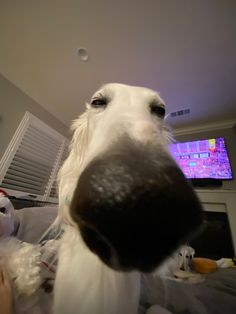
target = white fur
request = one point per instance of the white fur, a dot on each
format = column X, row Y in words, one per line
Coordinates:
column 23, row 263
column 83, row 283
column 88, row 285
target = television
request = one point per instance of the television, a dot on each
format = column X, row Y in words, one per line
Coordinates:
column 203, row 159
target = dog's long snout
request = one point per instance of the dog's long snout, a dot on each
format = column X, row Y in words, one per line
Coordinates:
column 134, row 207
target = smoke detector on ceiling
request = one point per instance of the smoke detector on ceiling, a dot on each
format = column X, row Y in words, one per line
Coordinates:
column 179, row 113
column 83, row 54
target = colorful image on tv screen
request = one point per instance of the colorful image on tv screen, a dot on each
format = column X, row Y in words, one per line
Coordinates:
column 203, row 159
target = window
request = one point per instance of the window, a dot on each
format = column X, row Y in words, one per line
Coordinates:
column 30, row 164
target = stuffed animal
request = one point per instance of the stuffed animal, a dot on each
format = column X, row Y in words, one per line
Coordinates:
column 39, row 260
column 206, row 265
column 6, row 215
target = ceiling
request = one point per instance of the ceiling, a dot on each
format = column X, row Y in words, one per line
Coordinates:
column 184, row 49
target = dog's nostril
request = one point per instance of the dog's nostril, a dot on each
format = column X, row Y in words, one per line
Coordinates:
column 95, row 242
column 2, row 210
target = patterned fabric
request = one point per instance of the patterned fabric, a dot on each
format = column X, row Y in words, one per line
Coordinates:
column 48, row 263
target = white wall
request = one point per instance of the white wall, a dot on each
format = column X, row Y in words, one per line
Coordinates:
column 13, row 105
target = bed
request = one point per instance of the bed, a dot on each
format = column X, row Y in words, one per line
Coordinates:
column 216, row 294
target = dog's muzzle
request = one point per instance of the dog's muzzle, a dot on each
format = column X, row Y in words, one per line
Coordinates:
column 134, row 206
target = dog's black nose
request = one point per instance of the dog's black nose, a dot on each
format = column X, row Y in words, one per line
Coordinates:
column 134, row 207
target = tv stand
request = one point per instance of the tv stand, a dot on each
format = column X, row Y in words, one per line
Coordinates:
column 206, row 182
column 221, row 201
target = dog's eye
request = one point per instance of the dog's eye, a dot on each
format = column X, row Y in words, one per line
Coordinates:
column 99, row 102
column 158, row 110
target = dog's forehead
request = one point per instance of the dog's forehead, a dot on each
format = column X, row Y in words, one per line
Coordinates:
column 116, row 88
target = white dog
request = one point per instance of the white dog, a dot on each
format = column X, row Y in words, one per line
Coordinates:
column 124, row 204
column 181, row 259
column 126, row 195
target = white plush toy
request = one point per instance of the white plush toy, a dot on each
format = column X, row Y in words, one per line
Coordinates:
column 29, row 266
column 6, row 215
column 17, row 255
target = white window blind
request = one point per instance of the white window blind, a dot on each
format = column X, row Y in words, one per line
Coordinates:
column 32, row 160
column 52, row 191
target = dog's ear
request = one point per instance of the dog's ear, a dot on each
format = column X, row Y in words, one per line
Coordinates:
column 79, row 128
column 72, row 166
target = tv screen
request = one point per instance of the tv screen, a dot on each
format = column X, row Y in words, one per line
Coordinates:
column 203, row 159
